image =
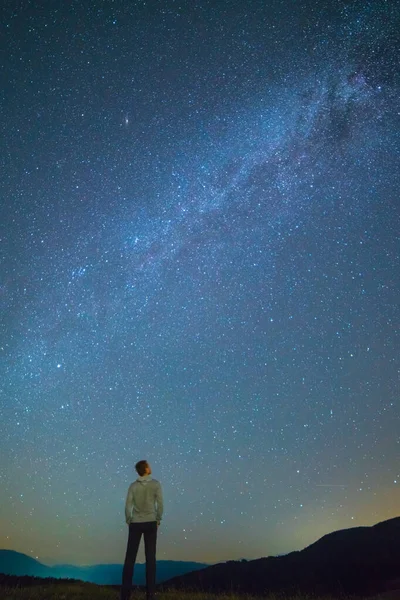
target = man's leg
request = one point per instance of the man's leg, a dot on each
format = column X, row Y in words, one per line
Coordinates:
column 135, row 533
column 150, row 542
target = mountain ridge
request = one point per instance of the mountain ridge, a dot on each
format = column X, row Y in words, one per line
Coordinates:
column 359, row 560
column 20, row 564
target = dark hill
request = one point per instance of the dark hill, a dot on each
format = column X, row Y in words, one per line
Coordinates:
column 361, row 561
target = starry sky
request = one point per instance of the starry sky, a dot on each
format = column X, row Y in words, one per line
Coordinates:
column 199, row 266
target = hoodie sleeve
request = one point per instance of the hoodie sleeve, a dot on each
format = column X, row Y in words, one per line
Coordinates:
column 159, row 503
column 129, row 505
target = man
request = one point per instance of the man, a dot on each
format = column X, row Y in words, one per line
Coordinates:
column 143, row 513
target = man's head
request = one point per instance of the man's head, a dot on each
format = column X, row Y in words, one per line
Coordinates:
column 143, row 468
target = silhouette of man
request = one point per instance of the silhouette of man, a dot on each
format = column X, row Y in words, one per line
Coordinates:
column 143, row 513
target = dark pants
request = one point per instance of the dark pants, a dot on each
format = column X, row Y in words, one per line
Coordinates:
column 149, row 531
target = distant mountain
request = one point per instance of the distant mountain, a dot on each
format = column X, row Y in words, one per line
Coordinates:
column 16, row 563
column 361, row 560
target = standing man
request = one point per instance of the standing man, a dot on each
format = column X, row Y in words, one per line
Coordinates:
column 143, row 513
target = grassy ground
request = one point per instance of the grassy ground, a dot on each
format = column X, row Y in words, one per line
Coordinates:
column 88, row 591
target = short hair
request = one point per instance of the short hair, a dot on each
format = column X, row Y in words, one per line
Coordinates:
column 141, row 467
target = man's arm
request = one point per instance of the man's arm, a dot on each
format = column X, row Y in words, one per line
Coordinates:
column 129, row 505
column 159, row 504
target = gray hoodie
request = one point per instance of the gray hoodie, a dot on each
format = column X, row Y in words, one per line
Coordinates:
column 144, row 501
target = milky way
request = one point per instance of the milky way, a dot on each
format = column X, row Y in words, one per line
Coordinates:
column 199, row 266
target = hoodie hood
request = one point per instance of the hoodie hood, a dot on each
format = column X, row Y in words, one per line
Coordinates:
column 144, row 479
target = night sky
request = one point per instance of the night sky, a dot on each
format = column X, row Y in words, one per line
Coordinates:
column 199, row 266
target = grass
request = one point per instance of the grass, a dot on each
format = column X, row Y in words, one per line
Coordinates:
column 90, row 591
